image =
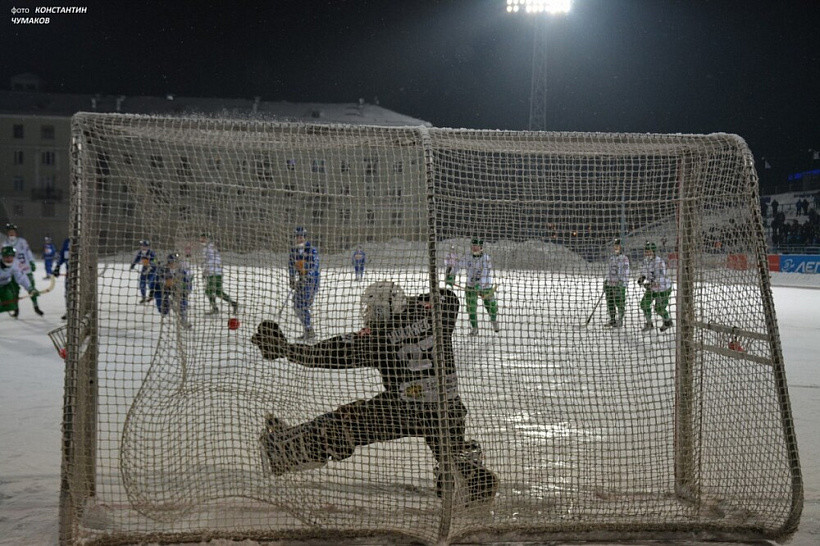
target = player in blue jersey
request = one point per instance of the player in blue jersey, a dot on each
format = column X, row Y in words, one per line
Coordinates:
column 358, row 260
column 49, row 254
column 303, row 271
column 147, row 259
column 65, row 254
column 171, row 284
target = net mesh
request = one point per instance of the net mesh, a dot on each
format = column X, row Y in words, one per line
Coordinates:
column 520, row 413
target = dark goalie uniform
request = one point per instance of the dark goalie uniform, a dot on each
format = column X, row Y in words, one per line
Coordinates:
column 401, row 348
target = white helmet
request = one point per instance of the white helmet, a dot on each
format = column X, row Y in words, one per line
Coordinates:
column 381, row 300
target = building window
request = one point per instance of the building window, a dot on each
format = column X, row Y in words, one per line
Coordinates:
column 47, row 132
column 156, row 161
column 344, row 167
column 128, row 159
column 49, row 209
column 398, row 167
column 47, row 158
column 17, row 131
column 47, row 182
column 18, row 183
column 397, row 218
column 291, row 163
column 318, row 166
column 18, row 157
column 18, row 209
column 344, row 215
column 369, row 167
column 371, row 217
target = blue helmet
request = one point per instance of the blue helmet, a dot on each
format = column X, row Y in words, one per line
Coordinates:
column 173, row 257
column 145, row 242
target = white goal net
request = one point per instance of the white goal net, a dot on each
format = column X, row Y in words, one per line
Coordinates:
column 414, row 334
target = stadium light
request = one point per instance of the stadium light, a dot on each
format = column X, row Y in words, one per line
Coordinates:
column 538, row 91
column 539, row 6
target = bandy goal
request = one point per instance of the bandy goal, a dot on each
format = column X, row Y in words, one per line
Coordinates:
column 496, row 368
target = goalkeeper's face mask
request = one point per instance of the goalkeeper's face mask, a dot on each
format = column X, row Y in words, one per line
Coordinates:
column 380, row 301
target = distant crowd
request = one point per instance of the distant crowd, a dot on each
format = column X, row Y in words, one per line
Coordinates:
column 792, row 225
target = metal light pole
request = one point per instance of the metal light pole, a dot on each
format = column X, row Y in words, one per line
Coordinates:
column 540, row 9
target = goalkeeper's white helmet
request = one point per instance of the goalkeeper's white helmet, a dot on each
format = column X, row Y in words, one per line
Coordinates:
column 381, row 300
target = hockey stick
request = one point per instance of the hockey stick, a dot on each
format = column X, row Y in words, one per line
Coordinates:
column 285, row 301
column 494, row 289
column 597, row 303
column 46, row 290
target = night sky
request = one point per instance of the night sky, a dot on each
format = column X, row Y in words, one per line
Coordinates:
column 691, row 66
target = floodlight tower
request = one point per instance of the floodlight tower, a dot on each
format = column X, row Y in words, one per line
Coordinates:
column 540, row 10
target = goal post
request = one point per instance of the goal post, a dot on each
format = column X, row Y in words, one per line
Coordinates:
column 666, row 415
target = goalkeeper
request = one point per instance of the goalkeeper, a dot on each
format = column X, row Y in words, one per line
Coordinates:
column 397, row 340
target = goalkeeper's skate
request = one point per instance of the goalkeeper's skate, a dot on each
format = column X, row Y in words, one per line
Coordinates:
column 285, row 449
column 666, row 325
column 267, row 441
column 481, row 484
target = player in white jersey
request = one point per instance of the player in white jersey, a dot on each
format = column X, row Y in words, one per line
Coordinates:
column 617, row 276
column 479, row 284
column 11, row 279
column 212, row 273
column 25, row 259
column 658, row 287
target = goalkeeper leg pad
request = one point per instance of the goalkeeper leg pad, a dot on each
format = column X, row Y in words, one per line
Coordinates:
column 303, row 447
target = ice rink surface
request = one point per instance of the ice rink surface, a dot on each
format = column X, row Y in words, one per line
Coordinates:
column 31, row 382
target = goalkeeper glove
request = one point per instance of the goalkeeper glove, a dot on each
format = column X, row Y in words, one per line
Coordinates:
column 270, row 340
column 33, row 266
column 641, row 279
column 449, row 280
